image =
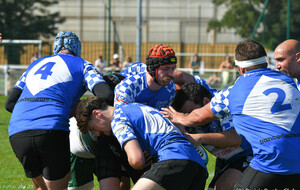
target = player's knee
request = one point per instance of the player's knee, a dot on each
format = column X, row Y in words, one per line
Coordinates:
column 59, row 184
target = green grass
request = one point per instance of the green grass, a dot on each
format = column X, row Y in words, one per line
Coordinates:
column 11, row 172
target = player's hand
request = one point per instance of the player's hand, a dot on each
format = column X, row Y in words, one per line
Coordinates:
column 0, row 37
column 172, row 114
column 195, row 139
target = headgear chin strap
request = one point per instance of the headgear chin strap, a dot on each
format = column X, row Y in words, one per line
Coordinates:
column 251, row 62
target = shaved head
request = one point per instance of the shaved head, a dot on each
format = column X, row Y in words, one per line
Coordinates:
column 287, row 56
column 289, row 46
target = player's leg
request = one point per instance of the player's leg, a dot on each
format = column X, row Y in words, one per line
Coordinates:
column 125, row 180
column 23, row 147
column 59, row 184
column 39, row 183
column 108, row 165
column 228, row 179
column 230, row 172
column 82, row 173
column 54, row 150
column 146, row 184
column 110, row 183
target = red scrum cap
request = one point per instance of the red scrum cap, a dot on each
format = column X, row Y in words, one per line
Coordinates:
column 157, row 56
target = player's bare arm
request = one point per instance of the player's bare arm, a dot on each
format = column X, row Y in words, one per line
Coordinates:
column 135, row 155
column 197, row 117
column 221, row 140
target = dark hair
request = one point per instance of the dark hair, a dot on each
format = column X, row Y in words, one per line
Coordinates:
column 250, row 49
column 85, row 109
column 190, row 91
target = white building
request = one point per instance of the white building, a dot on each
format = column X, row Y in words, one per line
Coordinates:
column 167, row 21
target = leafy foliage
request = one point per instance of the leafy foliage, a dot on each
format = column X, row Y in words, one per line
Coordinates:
column 243, row 15
column 26, row 19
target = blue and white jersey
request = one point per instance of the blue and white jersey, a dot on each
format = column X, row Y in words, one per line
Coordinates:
column 265, row 106
column 201, row 81
column 134, row 69
column 139, row 67
column 51, row 86
column 155, row 134
column 135, row 89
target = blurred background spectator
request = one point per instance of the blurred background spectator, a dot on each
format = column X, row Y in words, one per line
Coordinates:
column 127, row 62
column 115, row 64
column 195, row 62
column 100, row 64
column 214, row 80
column 225, row 67
column 34, row 57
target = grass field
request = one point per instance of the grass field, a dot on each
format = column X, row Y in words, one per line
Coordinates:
column 11, row 172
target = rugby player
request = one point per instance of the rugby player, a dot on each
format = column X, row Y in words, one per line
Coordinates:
column 41, row 103
column 287, row 57
column 218, row 137
column 141, row 128
column 265, row 108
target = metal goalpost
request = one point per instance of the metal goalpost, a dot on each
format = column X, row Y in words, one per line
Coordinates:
column 4, row 69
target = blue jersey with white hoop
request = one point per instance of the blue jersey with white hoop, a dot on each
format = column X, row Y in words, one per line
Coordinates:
column 51, row 86
column 155, row 134
column 265, row 106
column 135, row 89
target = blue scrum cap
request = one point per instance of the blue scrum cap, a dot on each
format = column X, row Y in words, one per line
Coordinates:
column 69, row 40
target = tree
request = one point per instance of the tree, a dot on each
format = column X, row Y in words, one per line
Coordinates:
column 243, row 15
column 26, row 19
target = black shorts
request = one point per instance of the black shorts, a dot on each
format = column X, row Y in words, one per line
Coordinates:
column 45, row 152
column 177, row 174
column 253, row 179
column 222, row 165
column 110, row 157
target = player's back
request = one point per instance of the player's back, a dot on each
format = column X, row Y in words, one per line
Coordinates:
column 155, row 134
column 52, row 85
column 266, row 112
